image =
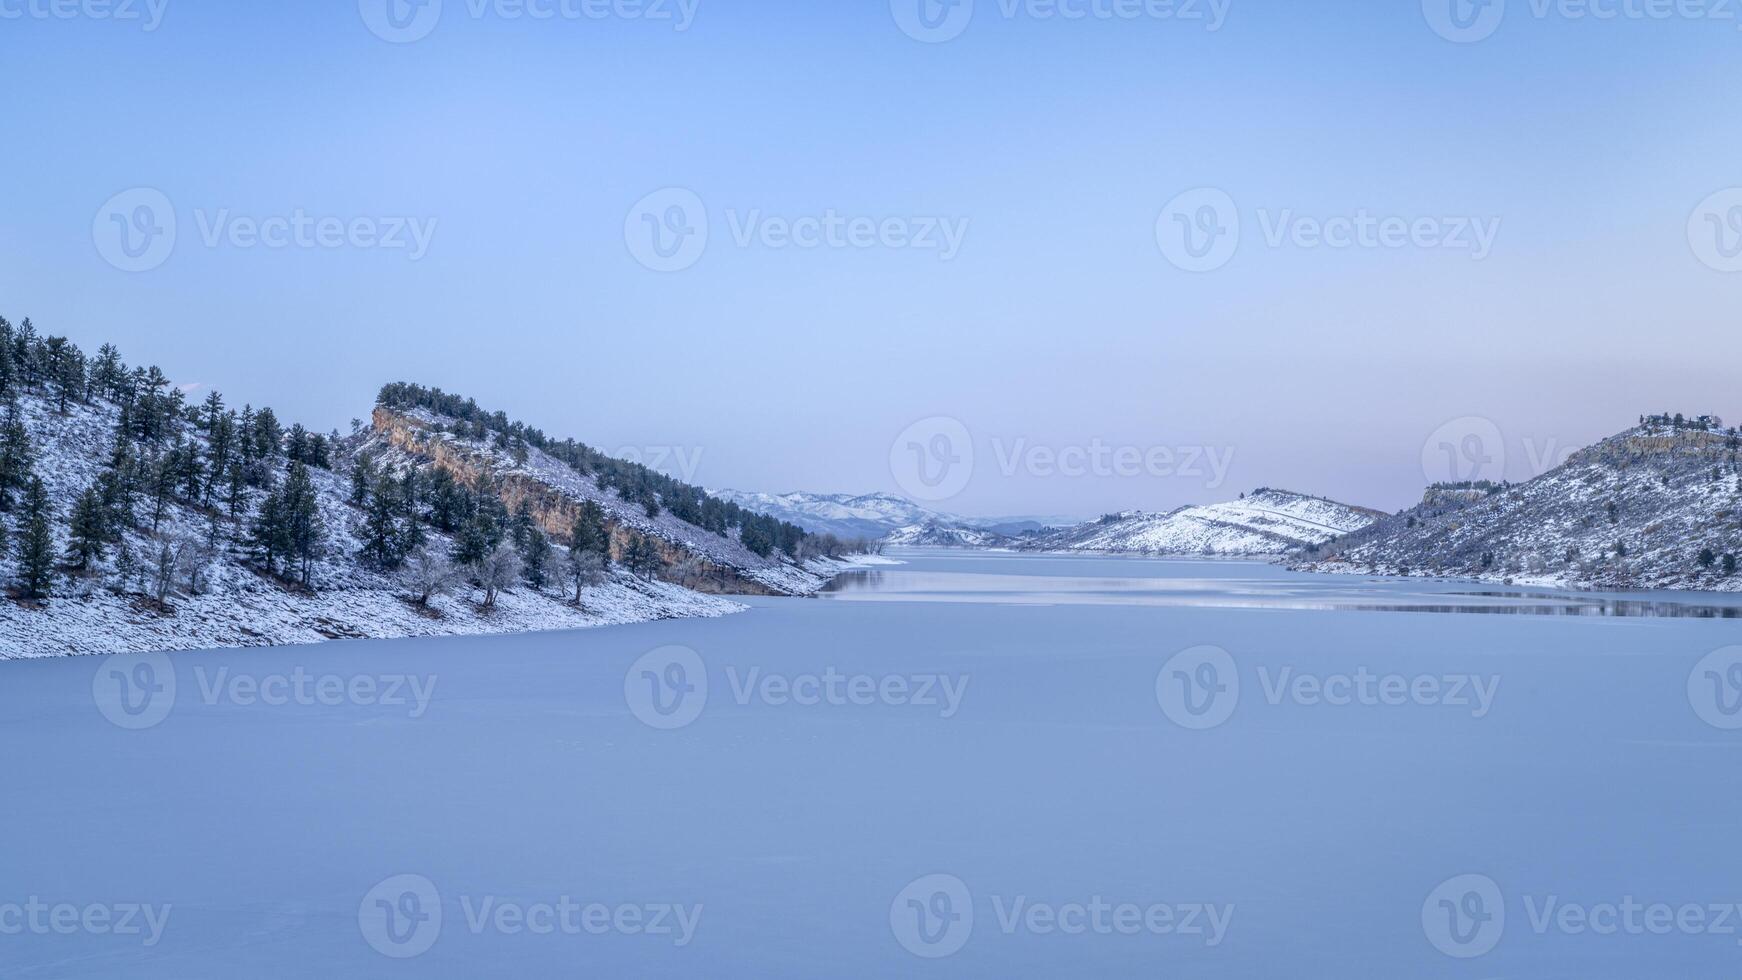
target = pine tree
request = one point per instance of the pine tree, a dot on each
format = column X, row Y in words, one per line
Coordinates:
column 472, row 544
column 269, row 536
column 381, row 533
column 126, row 567
column 535, row 558
column 89, row 530
column 16, row 456
column 521, row 525
column 35, row 541
column 236, row 493
column 589, row 532
column 302, row 513
column 362, row 481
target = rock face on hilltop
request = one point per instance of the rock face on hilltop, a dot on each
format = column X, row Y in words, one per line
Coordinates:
column 1264, row 523
column 1656, row 507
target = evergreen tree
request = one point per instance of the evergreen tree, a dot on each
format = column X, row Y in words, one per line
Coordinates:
column 472, row 545
column 236, row 493
column 270, row 535
column 520, row 527
column 590, row 533
column 35, row 541
column 535, row 558
column 89, row 531
column 126, row 567
column 268, row 436
column 381, row 532
column 362, row 481
column 305, row 530
column 16, row 456
column 162, row 472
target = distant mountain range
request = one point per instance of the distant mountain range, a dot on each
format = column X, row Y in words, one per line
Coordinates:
column 1265, row 522
column 881, row 516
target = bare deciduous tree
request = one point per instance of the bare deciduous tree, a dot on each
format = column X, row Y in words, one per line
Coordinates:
column 499, row 570
column 428, row 574
column 586, row 569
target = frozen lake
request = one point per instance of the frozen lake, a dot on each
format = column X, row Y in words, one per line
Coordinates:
column 969, row 765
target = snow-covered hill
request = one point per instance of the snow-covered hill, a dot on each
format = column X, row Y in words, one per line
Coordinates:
column 162, row 525
column 935, row 535
column 1265, row 522
column 108, row 611
column 869, row 515
column 873, row 516
column 416, row 437
column 1656, row 507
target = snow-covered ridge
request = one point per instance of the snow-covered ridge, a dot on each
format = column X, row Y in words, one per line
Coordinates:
column 936, row 535
column 1263, row 523
column 872, row 516
column 1655, row 507
column 237, row 606
column 218, row 594
column 402, row 438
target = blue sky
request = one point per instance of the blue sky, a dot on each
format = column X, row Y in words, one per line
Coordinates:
column 522, row 145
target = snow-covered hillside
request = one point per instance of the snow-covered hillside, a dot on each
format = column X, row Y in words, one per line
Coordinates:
column 420, row 438
column 1656, row 507
column 131, row 520
column 1265, row 522
column 873, row 516
column 869, row 515
column 235, row 605
column 935, row 535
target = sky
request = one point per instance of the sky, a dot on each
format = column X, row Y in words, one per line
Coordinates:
column 998, row 258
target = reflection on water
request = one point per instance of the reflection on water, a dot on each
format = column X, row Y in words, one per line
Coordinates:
column 1273, row 589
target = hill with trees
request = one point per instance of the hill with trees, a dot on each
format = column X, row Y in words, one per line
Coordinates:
column 133, row 517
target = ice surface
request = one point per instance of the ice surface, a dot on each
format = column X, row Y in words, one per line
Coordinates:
column 1596, row 772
